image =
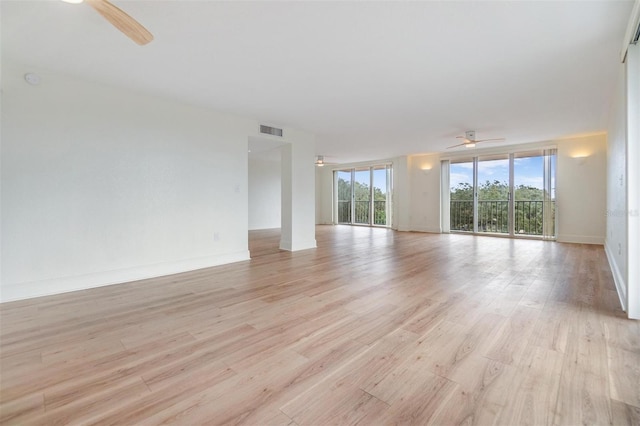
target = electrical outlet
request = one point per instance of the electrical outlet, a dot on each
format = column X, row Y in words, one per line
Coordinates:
column 216, row 236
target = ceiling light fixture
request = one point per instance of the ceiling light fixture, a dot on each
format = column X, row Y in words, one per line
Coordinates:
column 319, row 160
column 470, row 145
column 73, row 1
column 32, row 79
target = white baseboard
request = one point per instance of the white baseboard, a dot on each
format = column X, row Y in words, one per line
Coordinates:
column 618, row 278
column 580, row 239
column 429, row 229
column 28, row 290
column 298, row 245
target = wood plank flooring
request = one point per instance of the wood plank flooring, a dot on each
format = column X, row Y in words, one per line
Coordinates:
column 373, row 327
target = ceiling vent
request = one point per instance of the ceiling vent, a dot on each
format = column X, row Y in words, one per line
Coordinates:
column 268, row 130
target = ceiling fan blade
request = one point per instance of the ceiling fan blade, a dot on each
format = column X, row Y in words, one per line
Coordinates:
column 125, row 23
column 487, row 140
column 460, row 144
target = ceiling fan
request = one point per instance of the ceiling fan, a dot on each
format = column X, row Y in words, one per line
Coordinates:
column 119, row 19
column 321, row 160
column 470, row 140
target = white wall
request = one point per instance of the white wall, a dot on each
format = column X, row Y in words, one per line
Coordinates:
column 298, row 191
column 581, row 189
column 616, row 232
column 264, row 191
column 425, row 193
column 623, row 185
column 100, row 185
column 324, row 195
column 401, row 197
column 633, row 181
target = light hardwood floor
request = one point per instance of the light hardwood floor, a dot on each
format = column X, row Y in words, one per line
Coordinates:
column 373, row 327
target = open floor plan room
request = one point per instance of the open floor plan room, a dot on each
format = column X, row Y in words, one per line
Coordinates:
column 372, row 327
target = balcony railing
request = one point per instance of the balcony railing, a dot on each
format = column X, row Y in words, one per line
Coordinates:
column 362, row 212
column 461, row 215
column 379, row 212
column 344, row 211
column 529, row 217
column 493, row 216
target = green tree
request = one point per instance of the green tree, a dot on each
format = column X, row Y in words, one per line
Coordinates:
column 495, row 190
column 344, row 190
column 463, row 192
column 344, row 201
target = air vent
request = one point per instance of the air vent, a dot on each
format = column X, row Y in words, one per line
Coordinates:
column 268, row 130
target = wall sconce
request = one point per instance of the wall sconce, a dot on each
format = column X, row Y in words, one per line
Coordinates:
column 319, row 160
column 426, row 171
column 580, row 160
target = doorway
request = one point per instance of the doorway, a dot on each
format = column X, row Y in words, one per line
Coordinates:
column 264, row 196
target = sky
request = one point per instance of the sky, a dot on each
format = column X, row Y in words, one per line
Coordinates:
column 363, row 176
column 527, row 171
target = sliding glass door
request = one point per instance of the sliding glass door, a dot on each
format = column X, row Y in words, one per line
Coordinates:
column 363, row 196
column 381, row 184
column 534, row 193
column 509, row 194
column 493, row 194
column 344, row 194
column 461, row 183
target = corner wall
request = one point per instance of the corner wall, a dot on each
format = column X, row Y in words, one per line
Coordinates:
column 101, row 186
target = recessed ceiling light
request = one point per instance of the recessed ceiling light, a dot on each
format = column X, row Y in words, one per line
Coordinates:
column 32, row 79
column 73, row 1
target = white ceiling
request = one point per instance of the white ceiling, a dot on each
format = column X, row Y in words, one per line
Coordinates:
column 372, row 79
